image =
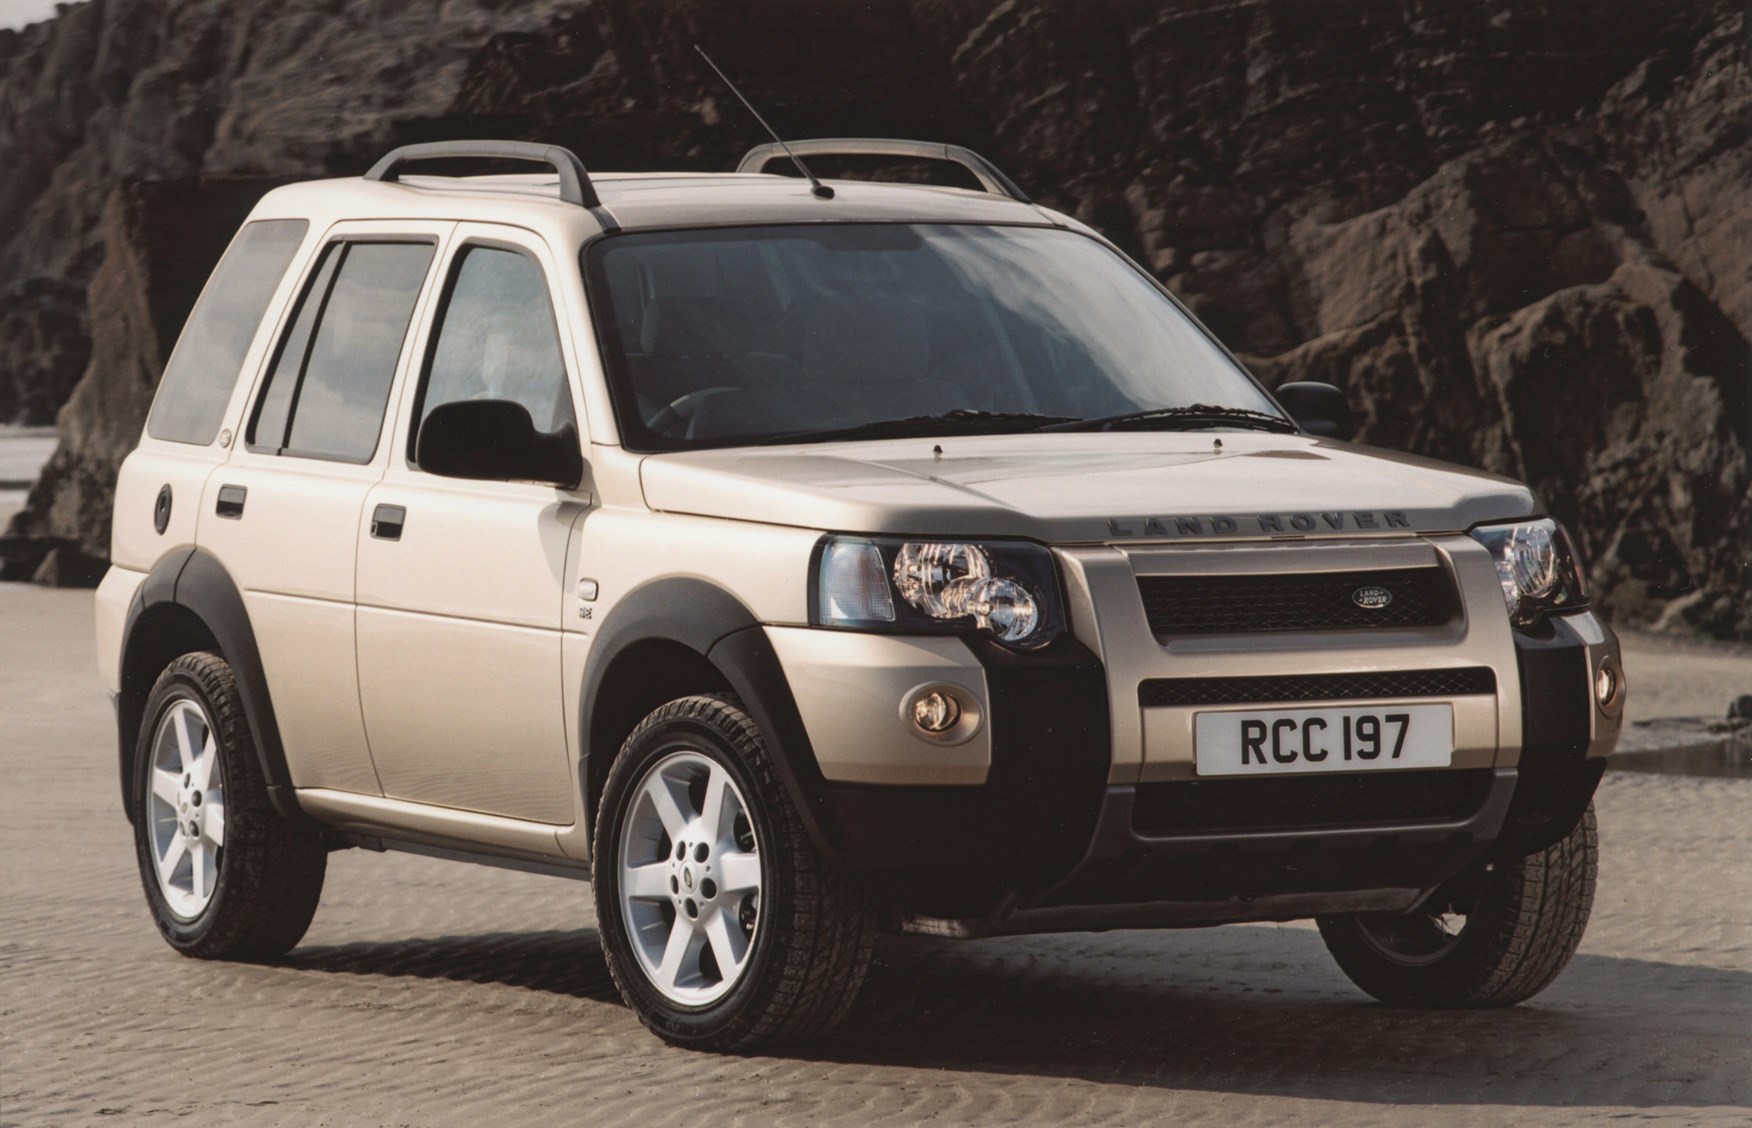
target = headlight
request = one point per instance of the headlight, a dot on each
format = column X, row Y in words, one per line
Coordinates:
column 1005, row 589
column 1537, row 568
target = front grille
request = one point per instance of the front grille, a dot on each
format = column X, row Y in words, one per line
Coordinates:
column 1310, row 601
column 1162, row 693
column 1309, row 802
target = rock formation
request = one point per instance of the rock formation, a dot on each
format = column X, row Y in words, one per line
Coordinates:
column 159, row 241
column 1519, row 235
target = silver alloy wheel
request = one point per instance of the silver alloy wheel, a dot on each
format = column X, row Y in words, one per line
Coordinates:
column 1412, row 940
column 690, row 878
column 185, row 808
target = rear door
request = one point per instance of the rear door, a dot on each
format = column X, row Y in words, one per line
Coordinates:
column 158, row 493
column 462, row 583
column 282, row 515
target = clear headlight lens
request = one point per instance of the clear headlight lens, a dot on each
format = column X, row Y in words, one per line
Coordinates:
column 1003, row 607
column 1009, row 590
column 937, row 578
column 1536, row 566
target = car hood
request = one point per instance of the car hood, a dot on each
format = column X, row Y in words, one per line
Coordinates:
column 1080, row 488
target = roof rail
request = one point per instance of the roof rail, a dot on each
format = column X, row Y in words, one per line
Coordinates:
column 575, row 186
column 984, row 171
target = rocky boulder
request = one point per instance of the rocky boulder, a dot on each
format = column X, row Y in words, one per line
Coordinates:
column 1518, row 236
column 159, row 241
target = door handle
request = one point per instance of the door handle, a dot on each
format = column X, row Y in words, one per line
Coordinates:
column 230, row 502
column 387, row 521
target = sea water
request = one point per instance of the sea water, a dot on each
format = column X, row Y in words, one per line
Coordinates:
column 23, row 450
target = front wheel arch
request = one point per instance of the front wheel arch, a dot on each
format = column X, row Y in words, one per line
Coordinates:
column 680, row 636
column 643, row 676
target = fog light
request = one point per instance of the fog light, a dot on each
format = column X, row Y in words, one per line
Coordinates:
column 935, row 712
column 1605, row 685
column 941, row 713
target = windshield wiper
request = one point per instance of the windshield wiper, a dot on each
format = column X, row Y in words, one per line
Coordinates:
column 960, row 421
column 1176, row 418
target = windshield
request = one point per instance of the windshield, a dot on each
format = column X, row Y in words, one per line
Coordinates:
column 741, row 335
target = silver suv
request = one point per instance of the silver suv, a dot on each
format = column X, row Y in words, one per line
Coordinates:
column 801, row 562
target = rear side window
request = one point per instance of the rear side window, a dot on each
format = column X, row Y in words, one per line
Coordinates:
column 329, row 385
column 496, row 339
column 198, row 380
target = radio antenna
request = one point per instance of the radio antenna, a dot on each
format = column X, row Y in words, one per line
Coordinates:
column 817, row 188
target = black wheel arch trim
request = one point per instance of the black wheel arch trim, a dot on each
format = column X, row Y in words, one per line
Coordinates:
column 1557, row 779
column 196, row 582
column 721, row 630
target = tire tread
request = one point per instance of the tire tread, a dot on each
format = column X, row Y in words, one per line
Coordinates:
column 272, row 872
column 1528, row 922
column 822, row 947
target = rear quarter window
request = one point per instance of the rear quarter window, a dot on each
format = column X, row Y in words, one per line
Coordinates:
column 197, row 382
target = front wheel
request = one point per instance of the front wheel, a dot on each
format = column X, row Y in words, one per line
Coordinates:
column 1493, row 937
column 721, row 926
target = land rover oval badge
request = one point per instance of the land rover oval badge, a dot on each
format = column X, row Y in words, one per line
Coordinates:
column 1371, row 598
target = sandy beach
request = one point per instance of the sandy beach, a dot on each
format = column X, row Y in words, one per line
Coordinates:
column 435, row 994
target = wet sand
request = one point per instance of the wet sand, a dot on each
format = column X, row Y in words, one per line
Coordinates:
column 436, row 994
column 1677, row 713
column 1674, row 676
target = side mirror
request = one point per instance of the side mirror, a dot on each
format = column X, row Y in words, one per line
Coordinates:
column 496, row 441
column 1319, row 409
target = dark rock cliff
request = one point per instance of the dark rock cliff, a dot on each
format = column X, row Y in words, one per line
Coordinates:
column 1519, row 235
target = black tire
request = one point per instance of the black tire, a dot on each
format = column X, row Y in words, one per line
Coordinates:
column 1524, row 919
column 811, row 947
column 270, row 873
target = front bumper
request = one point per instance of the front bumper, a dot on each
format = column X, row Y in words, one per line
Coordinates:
column 1079, row 819
column 1132, row 878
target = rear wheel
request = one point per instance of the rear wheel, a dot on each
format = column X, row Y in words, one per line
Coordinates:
column 224, row 875
column 721, row 926
column 1493, row 937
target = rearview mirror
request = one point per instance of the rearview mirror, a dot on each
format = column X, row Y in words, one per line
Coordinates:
column 1319, row 409
column 496, row 441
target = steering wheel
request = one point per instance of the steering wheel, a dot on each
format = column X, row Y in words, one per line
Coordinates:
column 681, row 410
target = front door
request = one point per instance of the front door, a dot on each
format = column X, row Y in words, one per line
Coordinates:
column 462, row 583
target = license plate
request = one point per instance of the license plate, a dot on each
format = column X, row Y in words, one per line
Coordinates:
column 1286, row 741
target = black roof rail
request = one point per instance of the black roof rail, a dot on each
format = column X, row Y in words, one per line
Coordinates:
column 575, row 186
column 983, row 170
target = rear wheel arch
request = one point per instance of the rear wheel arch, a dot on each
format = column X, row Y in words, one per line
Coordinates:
column 190, row 603
column 157, row 635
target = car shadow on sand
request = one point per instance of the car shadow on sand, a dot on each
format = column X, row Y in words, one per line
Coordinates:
column 555, row 962
column 1259, row 1011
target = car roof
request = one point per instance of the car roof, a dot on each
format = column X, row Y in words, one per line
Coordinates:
column 632, row 201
